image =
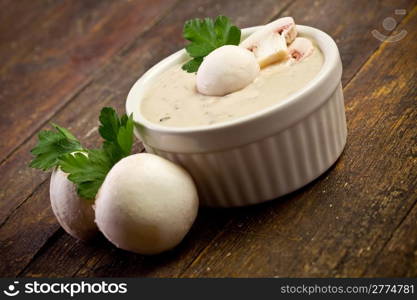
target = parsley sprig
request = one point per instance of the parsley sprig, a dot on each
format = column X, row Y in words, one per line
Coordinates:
column 206, row 35
column 86, row 168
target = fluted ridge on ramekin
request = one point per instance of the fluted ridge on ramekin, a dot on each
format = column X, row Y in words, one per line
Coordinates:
column 270, row 167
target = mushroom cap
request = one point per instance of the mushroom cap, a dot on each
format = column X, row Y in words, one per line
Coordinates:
column 225, row 70
column 146, row 204
column 74, row 214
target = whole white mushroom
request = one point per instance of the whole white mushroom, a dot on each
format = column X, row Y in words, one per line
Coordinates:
column 225, row 70
column 74, row 214
column 146, row 204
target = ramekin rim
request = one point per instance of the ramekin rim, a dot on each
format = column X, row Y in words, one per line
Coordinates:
column 133, row 104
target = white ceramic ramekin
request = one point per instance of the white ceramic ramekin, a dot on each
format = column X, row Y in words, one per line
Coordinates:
column 261, row 156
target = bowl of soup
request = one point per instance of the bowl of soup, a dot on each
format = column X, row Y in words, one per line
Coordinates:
column 266, row 140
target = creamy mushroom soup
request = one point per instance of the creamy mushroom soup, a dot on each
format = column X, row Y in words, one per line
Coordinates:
column 173, row 100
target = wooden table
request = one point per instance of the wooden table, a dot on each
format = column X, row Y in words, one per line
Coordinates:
column 62, row 61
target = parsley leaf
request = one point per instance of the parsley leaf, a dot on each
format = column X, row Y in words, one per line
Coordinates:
column 117, row 133
column 206, row 35
column 192, row 65
column 226, row 32
column 52, row 145
column 87, row 171
column 109, row 124
column 125, row 135
column 86, row 168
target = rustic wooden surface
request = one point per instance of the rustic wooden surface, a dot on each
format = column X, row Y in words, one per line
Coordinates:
column 63, row 60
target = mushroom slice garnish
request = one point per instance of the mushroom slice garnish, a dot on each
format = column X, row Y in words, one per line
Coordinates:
column 300, row 48
column 269, row 44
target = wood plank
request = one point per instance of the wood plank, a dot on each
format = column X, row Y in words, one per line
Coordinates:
column 64, row 50
column 105, row 262
column 27, row 23
column 110, row 87
column 26, row 230
column 342, row 223
column 399, row 253
column 16, row 16
column 68, row 257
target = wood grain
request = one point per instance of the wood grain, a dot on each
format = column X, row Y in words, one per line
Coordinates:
column 41, row 75
column 324, row 229
column 398, row 257
column 17, row 17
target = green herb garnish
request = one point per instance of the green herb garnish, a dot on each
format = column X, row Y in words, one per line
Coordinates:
column 51, row 146
column 117, row 133
column 86, row 168
column 87, row 171
column 206, row 35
